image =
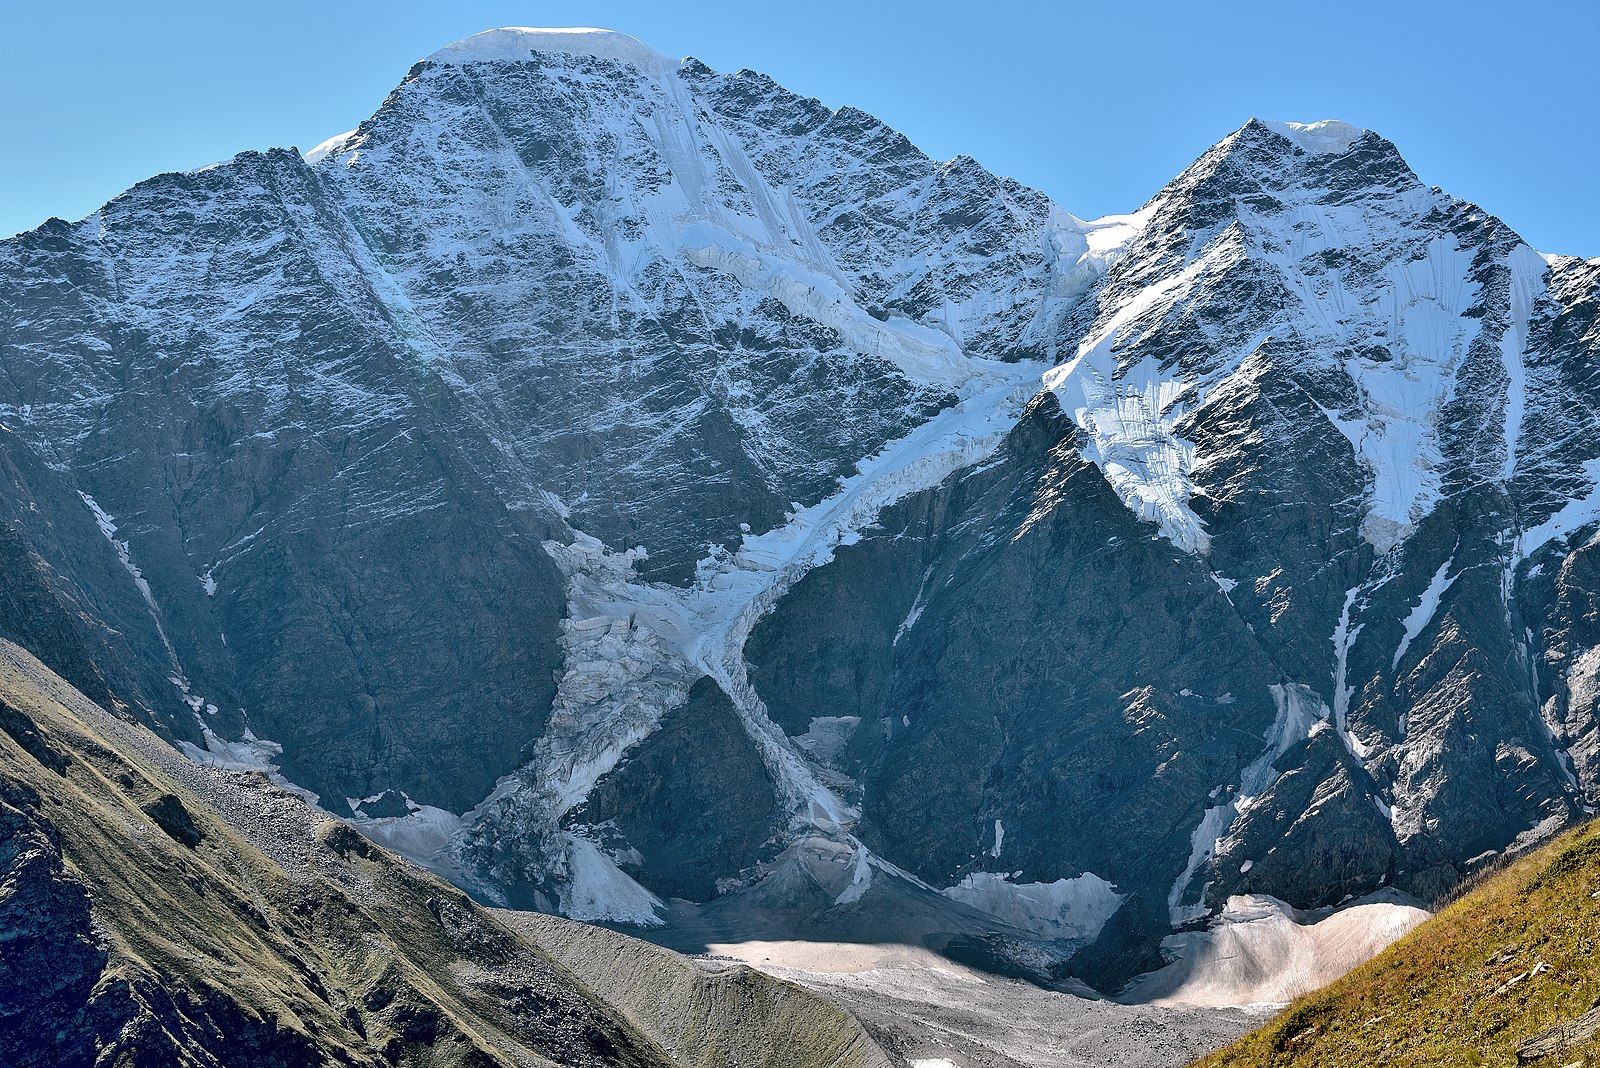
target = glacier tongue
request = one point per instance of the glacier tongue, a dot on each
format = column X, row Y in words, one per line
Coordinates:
column 633, row 648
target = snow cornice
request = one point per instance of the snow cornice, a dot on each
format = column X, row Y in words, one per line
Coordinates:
column 513, row 44
column 1326, row 137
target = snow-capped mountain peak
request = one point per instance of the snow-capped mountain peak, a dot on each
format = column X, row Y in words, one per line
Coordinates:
column 1328, row 136
column 510, row 44
column 711, row 417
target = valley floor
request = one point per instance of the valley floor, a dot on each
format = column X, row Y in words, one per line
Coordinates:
column 926, row 1011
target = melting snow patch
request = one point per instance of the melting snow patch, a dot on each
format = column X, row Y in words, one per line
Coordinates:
column 1343, row 638
column 1583, row 679
column 423, row 837
column 108, row 527
column 1261, row 952
column 599, row 890
column 1300, row 710
column 249, row 753
column 860, row 877
column 1076, row 908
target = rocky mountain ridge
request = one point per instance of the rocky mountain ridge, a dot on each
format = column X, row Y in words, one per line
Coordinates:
column 613, row 481
column 153, row 912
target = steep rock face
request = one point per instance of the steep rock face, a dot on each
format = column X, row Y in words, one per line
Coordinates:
column 1313, row 376
column 693, row 800
column 71, row 601
column 253, row 441
column 53, row 958
column 1405, row 319
column 612, row 480
column 335, row 407
column 637, row 275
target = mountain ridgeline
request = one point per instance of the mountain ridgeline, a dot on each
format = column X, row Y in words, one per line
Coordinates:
column 610, row 481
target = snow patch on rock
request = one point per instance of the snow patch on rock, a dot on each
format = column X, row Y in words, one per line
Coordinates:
column 1299, row 710
column 1260, row 952
column 1076, row 908
column 1420, row 616
column 1344, row 636
column 1571, row 517
column 108, row 527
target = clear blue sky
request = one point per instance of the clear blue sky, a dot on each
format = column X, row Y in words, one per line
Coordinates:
column 1096, row 104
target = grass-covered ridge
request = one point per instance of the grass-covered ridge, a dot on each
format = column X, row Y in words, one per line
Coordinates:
column 157, row 914
column 1515, row 956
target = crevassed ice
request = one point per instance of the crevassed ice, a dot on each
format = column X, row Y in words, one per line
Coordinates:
column 1131, row 422
column 632, row 648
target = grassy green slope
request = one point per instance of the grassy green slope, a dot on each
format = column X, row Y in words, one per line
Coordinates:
column 1516, row 955
column 156, row 913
